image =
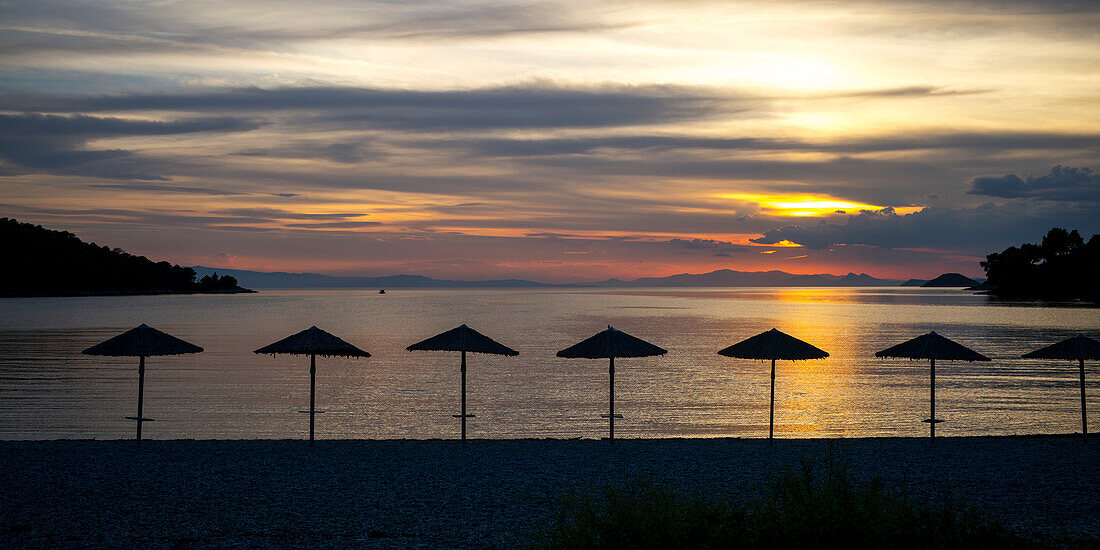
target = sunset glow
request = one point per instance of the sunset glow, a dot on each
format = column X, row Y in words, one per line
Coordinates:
column 808, row 205
column 510, row 139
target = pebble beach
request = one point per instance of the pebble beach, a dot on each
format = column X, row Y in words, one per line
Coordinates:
column 482, row 494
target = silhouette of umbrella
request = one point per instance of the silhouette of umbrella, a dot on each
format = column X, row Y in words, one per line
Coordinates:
column 1079, row 347
column 142, row 341
column 463, row 339
column 932, row 346
column 610, row 344
column 313, row 342
column 773, row 345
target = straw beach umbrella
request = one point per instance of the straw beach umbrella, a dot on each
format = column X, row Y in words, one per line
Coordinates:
column 773, row 345
column 141, row 342
column 313, row 342
column 1079, row 347
column 463, row 339
column 610, row 344
column 932, row 346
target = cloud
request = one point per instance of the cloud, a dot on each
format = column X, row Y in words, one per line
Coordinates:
column 1061, row 184
column 278, row 213
column 979, row 230
column 165, row 188
column 333, row 225
column 81, row 127
column 724, row 248
column 341, row 152
column 928, row 140
column 53, row 144
column 50, row 26
column 537, row 105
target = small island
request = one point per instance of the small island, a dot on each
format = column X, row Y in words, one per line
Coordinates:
column 57, row 263
column 950, row 280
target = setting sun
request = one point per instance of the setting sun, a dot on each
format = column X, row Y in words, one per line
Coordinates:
column 806, row 205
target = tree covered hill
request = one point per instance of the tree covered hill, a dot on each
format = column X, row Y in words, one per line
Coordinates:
column 1062, row 266
column 44, row 262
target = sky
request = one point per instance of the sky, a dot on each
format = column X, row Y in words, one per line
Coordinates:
column 558, row 141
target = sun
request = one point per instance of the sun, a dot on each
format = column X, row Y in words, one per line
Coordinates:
column 807, row 205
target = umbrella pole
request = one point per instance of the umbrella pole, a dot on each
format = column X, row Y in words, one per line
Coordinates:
column 141, row 394
column 312, row 388
column 771, row 414
column 463, row 396
column 1084, row 420
column 932, row 415
column 611, row 402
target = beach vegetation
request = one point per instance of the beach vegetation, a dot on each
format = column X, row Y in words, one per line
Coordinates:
column 1062, row 266
column 48, row 262
column 817, row 505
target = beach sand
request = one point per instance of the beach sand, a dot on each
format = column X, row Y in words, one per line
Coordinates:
column 485, row 494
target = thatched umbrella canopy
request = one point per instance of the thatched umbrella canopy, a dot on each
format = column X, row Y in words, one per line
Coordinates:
column 773, row 345
column 142, row 341
column 463, row 339
column 1078, row 348
column 313, row 342
column 932, row 346
column 610, row 344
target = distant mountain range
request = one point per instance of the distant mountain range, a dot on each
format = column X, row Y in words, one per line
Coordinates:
column 719, row 278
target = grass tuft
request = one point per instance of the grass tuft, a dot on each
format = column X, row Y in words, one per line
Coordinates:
column 818, row 505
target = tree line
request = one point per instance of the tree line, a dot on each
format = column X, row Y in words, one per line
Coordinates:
column 1062, row 266
column 44, row 261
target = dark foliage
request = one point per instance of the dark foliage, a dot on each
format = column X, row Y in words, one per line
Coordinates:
column 1063, row 266
column 44, row 261
column 813, row 507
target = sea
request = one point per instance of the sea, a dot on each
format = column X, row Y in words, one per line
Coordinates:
column 50, row 390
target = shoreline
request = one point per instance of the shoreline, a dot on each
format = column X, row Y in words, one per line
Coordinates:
column 130, row 439
column 482, row 494
column 97, row 293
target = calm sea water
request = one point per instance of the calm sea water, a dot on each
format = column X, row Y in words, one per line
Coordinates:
column 49, row 390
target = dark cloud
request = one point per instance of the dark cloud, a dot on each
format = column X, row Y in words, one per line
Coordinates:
column 333, row 225
column 979, row 230
column 530, row 106
column 81, row 127
column 872, row 180
column 533, row 105
column 1061, row 184
column 165, row 189
column 148, row 218
column 345, row 152
column 32, row 142
column 233, row 219
column 724, row 248
column 973, row 141
column 272, row 214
